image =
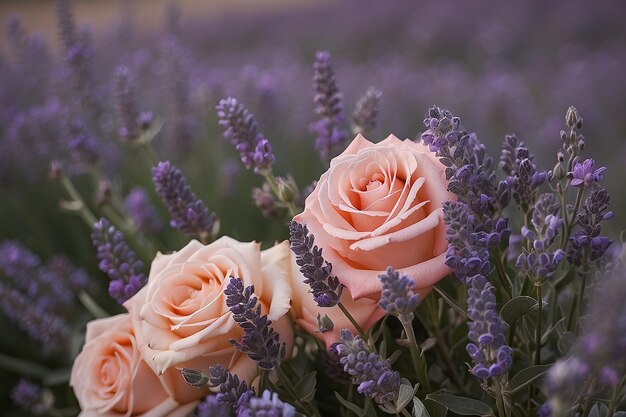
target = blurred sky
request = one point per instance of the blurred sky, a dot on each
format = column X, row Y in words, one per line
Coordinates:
column 38, row 16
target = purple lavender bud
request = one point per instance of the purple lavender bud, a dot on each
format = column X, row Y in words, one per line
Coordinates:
column 565, row 380
column 325, row 288
column 28, row 395
column 211, row 407
column 84, row 148
column 125, row 100
column 241, row 129
column 585, row 173
column 142, row 212
column 589, row 219
column 397, row 296
column 374, row 377
column 259, row 341
column 364, row 118
column 188, row 212
column 491, row 356
column 232, row 392
column 118, row 261
column 267, row 405
column 331, row 138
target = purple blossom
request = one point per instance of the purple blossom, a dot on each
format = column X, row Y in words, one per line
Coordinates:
column 211, row 407
column 241, row 129
column 264, row 199
column 28, row 395
column 259, row 341
column 585, row 173
column 84, row 148
column 523, row 177
column 491, row 356
column 143, row 213
column 118, row 261
column 267, row 405
column 397, row 296
column 125, row 100
column 331, row 138
column 364, row 118
column 325, row 288
column 373, row 376
column 232, row 392
column 188, row 212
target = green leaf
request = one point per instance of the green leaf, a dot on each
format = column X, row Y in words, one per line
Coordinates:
column 526, row 376
column 350, row 406
column 394, row 356
column 559, row 327
column 565, row 342
column 57, row 377
column 449, row 301
column 419, row 410
column 436, row 409
column 407, row 392
column 305, row 388
column 428, row 345
column 517, row 307
column 461, row 405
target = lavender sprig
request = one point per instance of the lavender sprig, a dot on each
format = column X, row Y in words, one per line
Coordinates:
column 242, row 130
column 397, row 296
column 142, row 212
column 523, row 177
column 259, row 341
column 585, row 173
column 267, row 405
column 331, row 138
column 118, row 261
column 211, row 407
column 325, row 288
column 232, row 392
column 374, row 377
column 491, row 356
column 29, row 396
column 364, row 118
column 128, row 116
column 188, row 212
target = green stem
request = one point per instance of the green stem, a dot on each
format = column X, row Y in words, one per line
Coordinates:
column 306, row 408
column 586, row 407
column 405, row 413
column 579, row 199
column 149, row 154
column 419, row 361
column 353, row 321
column 499, row 401
column 504, row 278
column 81, row 207
column 271, row 180
column 449, row 301
column 91, row 305
column 445, row 354
column 538, row 329
column 23, row 367
column 615, row 398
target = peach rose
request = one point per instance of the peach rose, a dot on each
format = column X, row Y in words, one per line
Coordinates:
column 110, row 378
column 181, row 314
column 380, row 205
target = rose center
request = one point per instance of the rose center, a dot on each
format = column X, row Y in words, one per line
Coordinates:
column 109, row 371
column 372, row 183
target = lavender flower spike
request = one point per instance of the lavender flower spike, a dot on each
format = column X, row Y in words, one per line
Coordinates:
column 242, row 130
column 397, row 296
column 374, row 377
column 29, row 396
column 259, row 339
column 268, row 404
column 492, row 357
column 211, row 407
column 331, row 139
column 585, row 173
column 142, row 211
column 188, row 212
column 326, row 288
column 127, row 113
column 118, row 261
column 366, row 112
column 232, row 392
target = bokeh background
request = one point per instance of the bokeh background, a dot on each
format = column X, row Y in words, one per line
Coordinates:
column 503, row 67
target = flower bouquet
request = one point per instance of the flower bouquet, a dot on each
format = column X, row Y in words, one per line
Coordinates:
column 415, row 277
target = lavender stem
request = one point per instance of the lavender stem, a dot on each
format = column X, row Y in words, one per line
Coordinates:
column 81, row 208
column 309, row 411
column 271, row 180
column 353, row 321
column 538, row 329
column 92, row 306
column 419, row 362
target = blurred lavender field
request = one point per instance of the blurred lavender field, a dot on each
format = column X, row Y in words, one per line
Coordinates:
column 503, row 67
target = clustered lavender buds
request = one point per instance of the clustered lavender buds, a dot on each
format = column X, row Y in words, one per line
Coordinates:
column 523, row 178
column 242, row 130
column 28, row 395
column 232, row 392
column 573, row 142
column 539, row 261
column 491, row 356
column 188, row 212
column 211, row 407
column 587, row 244
column 118, row 261
column 84, row 148
column 374, row 377
column 142, row 212
column 397, row 296
column 364, row 118
column 331, row 138
column 259, row 341
column 131, row 122
column 267, row 405
column 469, row 169
column 325, row 288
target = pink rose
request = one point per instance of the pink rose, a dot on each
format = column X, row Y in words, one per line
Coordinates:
column 181, row 314
column 380, row 205
column 110, row 378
